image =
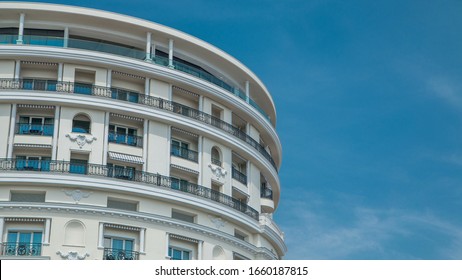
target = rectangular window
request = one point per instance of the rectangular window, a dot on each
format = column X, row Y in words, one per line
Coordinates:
column 121, row 172
column 35, row 125
column 23, row 243
column 27, row 197
column 116, row 248
column 123, row 135
column 187, row 217
column 178, row 254
column 122, row 205
column 240, row 235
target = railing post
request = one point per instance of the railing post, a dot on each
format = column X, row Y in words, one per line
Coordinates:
column 21, row 29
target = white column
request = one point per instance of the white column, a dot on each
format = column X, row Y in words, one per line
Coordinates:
column 54, row 150
column 66, row 37
column 21, row 29
column 170, row 53
column 153, row 50
column 109, row 78
column 247, row 91
column 201, row 103
column 106, row 137
column 142, row 239
column 101, row 236
column 17, row 69
column 12, row 131
column 60, row 71
column 2, row 226
column 167, row 244
column 199, row 156
column 199, row 250
column 248, row 169
column 147, row 86
column 148, row 45
column 145, row 144
column 46, row 236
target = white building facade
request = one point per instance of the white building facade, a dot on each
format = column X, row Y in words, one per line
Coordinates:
column 125, row 139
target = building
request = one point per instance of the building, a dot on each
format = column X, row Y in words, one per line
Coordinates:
column 125, row 139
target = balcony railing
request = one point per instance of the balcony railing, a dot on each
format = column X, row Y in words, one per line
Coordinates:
column 266, row 192
column 216, row 161
column 118, row 254
column 21, row 249
column 34, row 129
column 125, row 139
column 132, row 53
column 241, row 177
column 136, row 176
column 151, row 101
column 184, row 153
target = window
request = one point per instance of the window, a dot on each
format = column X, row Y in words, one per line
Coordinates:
column 186, row 217
column 125, row 95
column 123, row 135
column 35, row 125
column 179, row 148
column 34, row 163
column 240, row 235
column 120, row 172
column 122, row 204
column 23, row 243
column 78, row 166
column 27, row 196
column 179, row 184
column 81, row 124
column 116, row 248
column 216, row 158
column 178, row 253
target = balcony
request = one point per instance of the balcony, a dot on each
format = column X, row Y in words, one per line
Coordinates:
column 239, row 176
column 126, row 139
column 184, row 153
column 155, row 102
column 21, row 249
column 267, row 202
column 119, row 254
column 34, row 129
column 81, row 169
column 107, row 47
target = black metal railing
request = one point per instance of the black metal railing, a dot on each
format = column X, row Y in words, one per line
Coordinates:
column 21, row 249
column 125, row 139
column 34, row 129
column 266, row 192
column 137, row 176
column 151, row 101
column 241, row 177
column 184, row 153
column 118, row 254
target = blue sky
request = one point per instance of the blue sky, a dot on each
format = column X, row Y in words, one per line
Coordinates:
column 369, row 103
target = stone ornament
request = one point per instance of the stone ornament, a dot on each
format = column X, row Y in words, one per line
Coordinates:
column 81, row 139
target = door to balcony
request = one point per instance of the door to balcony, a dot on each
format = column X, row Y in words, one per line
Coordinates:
column 23, row 243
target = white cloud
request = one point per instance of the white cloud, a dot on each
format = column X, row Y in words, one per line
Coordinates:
column 369, row 232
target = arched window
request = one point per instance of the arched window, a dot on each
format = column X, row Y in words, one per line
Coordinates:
column 216, row 157
column 81, row 124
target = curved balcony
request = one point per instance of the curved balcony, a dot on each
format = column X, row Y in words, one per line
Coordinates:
column 134, row 175
column 267, row 202
column 156, row 102
column 107, row 47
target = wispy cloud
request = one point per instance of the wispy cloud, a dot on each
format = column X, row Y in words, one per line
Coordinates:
column 367, row 232
column 447, row 90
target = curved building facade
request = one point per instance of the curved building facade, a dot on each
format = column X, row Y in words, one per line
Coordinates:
column 125, row 139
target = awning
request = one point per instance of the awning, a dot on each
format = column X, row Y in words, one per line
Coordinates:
column 126, row 158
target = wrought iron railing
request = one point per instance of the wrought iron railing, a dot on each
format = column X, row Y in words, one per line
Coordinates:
column 184, row 153
column 21, row 249
column 216, row 161
column 118, row 254
column 241, row 177
column 266, row 192
column 136, row 176
column 133, row 53
column 34, row 129
column 151, row 101
column 125, row 139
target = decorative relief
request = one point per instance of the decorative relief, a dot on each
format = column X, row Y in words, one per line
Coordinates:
column 218, row 171
column 72, row 255
column 77, row 195
column 81, row 139
column 217, row 221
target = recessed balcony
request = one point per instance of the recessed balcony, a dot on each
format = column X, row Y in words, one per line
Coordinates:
column 267, row 202
column 119, row 254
